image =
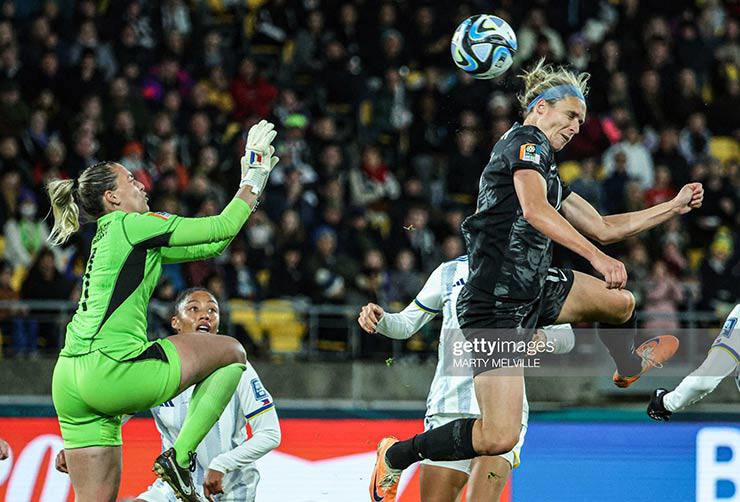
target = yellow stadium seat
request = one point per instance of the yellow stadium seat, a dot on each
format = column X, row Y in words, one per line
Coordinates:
column 724, row 149
column 245, row 313
column 283, row 325
column 569, row 171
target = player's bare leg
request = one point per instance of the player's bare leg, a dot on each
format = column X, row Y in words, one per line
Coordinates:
column 488, row 479
column 441, row 484
column 500, row 394
column 589, row 300
column 95, row 472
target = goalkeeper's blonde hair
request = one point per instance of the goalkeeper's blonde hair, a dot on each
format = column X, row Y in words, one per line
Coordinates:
column 543, row 76
column 73, row 199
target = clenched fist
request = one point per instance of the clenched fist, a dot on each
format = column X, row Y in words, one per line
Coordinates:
column 370, row 316
column 690, row 197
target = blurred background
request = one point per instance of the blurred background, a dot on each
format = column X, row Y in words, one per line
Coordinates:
column 381, row 143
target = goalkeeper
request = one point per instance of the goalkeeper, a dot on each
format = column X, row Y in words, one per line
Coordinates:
column 107, row 367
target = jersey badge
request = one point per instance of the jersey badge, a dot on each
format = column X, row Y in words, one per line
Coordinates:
column 259, row 391
column 529, row 152
column 728, row 327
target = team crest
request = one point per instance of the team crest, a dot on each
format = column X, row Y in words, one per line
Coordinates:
column 259, row 391
column 529, row 152
column 728, row 327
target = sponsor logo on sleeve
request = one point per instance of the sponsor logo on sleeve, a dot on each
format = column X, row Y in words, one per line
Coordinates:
column 529, row 152
column 161, row 215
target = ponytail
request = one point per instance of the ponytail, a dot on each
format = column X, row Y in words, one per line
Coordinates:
column 65, row 210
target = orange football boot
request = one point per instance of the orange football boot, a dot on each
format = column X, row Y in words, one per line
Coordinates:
column 653, row 352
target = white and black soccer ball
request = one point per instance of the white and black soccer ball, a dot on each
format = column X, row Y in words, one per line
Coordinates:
column 483, row 46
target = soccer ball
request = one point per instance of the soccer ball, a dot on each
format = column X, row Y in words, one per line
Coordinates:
column 483, row 46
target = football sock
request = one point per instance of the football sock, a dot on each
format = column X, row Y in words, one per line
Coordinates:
column 620, row 341
column 209, row 399
column 452, row 441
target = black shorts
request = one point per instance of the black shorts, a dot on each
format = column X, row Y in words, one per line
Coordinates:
column 557, row 286
column 502, row 325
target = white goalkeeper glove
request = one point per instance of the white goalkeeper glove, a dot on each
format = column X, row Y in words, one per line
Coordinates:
column 258, row 158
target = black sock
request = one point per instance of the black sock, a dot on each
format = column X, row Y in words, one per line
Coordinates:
column 453, row 441
column 620, row 341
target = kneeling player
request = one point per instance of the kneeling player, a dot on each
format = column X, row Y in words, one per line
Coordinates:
column 225, row 461
column 722, row 360
column 452, row 397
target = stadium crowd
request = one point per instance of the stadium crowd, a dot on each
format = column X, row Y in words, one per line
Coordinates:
column 381, row 139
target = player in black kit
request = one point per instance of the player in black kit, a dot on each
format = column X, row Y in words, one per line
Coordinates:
column 509, row 291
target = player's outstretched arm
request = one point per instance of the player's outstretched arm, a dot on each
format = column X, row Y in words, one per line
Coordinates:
column 209, row 236
column 616, row 227
column 532, row 194
column 402, row 325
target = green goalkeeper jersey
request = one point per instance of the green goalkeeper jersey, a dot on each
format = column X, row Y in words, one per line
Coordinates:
column 125, row 263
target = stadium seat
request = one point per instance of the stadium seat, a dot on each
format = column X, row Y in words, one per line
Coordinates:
column 282, row 324
column 724, row 149
column 245, row 313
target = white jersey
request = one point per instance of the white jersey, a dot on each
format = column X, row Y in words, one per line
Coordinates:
column 225, row 448
column 448, row 394
column 723, row 359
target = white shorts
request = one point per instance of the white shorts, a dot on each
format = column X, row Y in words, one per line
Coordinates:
column 434, row 421
column 159, row 491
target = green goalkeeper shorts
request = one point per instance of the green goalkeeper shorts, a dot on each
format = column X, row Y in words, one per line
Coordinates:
column 91, row 392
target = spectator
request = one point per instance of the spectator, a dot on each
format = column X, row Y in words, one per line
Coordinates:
column 25, row 235
column 663, row 189
column 664, row 295
column 291, row 230
column 533, row 28
column 453, row 248
column 464, row 168
column 373, row 181
column 239, row 279
column 44, row 282
column 615, row 185
column 694, row 138
column 639, row 162
column 416, row 235
column 668, row 154
column 638, row 263
column 288, row 275
column 331, row 272
column 587, row 186
column 719, row 286
column 253, row 94
column 405, row 280
column 688, row 99
column 373, row 283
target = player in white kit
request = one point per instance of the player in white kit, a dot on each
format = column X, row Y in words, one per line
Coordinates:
column 451, row 396
column 225, row 457
column 722, row 360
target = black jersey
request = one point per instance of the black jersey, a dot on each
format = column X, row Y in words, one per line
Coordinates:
column 508, row 257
